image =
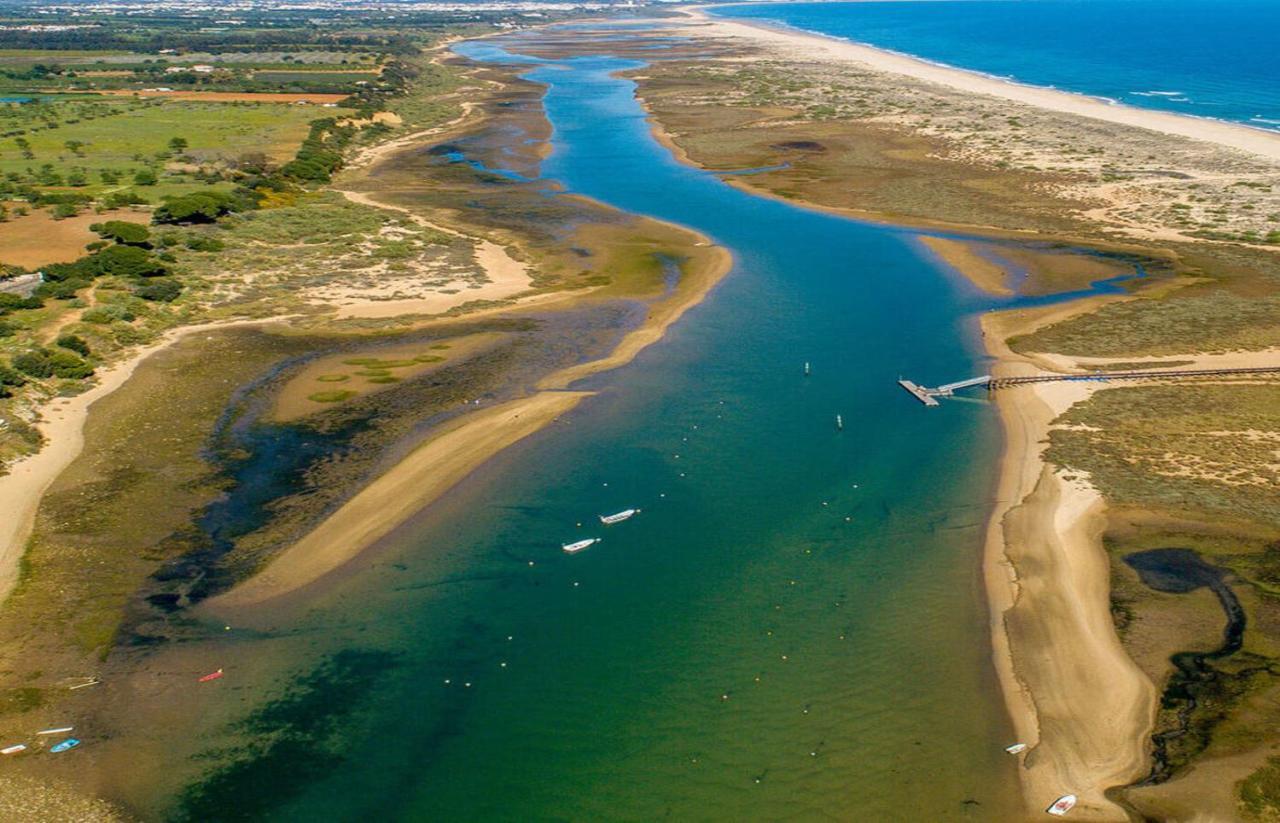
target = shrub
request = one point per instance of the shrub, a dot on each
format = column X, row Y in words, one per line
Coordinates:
column 62, row 289
column 200, row 242
column 74, row 343
column 6, row 329
column 163, row 290
column 105, row 315
column 145, row 177
column 11, row 377
column 79, row 270
column 12, row 302
column 67, row 365
column 34, row 363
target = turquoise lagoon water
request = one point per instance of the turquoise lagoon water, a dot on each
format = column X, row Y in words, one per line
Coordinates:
column 1209, row 58
column 793, row 627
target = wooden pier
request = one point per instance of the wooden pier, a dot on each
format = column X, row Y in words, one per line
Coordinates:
column 929, row 396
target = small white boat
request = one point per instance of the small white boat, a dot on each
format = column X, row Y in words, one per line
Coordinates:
column 625, row 514
column 579, row 545
column 1062, row 805
column 839, row 423
column 1016, row 748
column 14, row 749
column 59, row 730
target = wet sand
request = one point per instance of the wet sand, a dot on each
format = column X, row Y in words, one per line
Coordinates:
column 448, row 457
column 410, row 486
column 62, row 426
column 961, row 256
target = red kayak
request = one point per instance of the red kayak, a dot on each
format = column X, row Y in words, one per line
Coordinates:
column 210, row 676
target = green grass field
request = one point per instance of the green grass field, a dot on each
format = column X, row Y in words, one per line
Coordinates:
column 123, row 137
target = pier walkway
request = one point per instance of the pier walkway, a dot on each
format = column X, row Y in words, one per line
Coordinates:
column 929, row 396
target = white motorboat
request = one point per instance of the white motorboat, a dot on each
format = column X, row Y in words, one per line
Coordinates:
column 625, row 514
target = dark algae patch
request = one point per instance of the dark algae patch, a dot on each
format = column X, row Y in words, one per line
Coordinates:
column 294, row 739
column 1204, row 684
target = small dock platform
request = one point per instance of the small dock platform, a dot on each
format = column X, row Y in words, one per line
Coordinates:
column 919, row 392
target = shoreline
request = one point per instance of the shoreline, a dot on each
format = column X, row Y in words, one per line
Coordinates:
column 446, row 458
column 1047, row 579
column 62, row 427
column 807, row 45
column 1072, row 692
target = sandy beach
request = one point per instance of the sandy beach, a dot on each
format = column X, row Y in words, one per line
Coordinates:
column 412, row 484
column 810, row 47
column 1075, row 697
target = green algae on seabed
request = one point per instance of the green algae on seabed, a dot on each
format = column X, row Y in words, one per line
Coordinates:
column 289, row 741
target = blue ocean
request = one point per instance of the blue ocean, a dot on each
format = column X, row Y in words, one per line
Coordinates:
column 1208, row 58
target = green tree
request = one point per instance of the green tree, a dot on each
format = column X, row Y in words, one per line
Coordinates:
column 197, row 207
column 123, row 232
column 177, row 145
column 145, row 177
column 126, row 261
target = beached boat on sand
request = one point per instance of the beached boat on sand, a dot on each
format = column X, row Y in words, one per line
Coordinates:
column 579, row 545
column 14, row 749
column 66, row 745
column 625, row 514
column 58, row 730
column 1062, row 805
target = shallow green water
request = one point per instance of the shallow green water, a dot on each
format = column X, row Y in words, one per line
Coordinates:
column 793, row 628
